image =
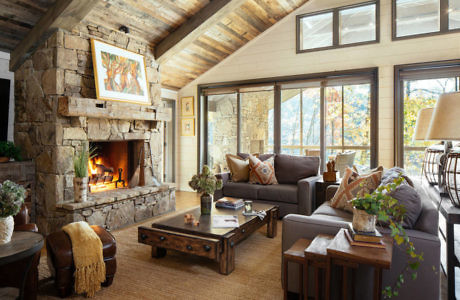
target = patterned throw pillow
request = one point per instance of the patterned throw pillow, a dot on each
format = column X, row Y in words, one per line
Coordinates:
column 350, row 189
column 261, row 172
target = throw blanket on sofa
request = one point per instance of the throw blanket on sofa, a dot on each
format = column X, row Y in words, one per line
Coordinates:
column 87, row 257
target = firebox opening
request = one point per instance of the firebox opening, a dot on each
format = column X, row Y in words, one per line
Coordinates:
column 113, row 165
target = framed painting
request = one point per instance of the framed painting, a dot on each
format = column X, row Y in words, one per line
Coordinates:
column 119, row 74
column 187, row 106
column 188, row 127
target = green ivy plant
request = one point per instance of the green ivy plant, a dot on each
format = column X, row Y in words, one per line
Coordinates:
column 81, row 159
column 387, row 209
column 8, row 149
column 11, row 198
column 205, row 182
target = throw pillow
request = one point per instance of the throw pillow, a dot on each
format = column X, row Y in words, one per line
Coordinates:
column 349, row 190
column 261, row 172
column 410, row 199
column 239, row 168
column 391, row 174
column 262, row 157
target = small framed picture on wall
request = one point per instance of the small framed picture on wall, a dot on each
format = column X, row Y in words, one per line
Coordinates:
column 187, row 106
column 188, row 127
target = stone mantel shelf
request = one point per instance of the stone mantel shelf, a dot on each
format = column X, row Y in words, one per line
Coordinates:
column 113, row 196
column 93, row 108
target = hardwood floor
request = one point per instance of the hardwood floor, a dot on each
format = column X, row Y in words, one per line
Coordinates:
column 185, row 200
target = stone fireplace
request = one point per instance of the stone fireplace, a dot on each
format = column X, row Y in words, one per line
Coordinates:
column 57, row 114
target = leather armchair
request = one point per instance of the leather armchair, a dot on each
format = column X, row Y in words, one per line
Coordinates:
column 11, row 275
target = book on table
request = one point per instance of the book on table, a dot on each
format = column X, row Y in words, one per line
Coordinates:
column 352, row 242
column 365, row 237
column 229, row 202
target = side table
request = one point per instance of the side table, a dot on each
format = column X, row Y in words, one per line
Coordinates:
column 295, row 254
column 320, row 191
column 23, row 244
column 340, row 252
column 316, row 257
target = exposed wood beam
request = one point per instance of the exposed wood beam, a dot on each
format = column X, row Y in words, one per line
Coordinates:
column 195, row 26
column 65, row 14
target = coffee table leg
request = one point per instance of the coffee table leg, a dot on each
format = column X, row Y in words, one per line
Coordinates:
column 158, row 252
column 227, row 257
column 272, row 222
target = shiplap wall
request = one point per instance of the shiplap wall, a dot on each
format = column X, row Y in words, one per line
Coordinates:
column 6, row 74
column 273, row 54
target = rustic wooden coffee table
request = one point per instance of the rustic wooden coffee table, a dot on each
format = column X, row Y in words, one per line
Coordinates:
column 170, row 232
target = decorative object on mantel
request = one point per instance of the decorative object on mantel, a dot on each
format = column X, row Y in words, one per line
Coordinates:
column 385, row 208
column 187, row 106
column 80, row 181
column 120, row 74
column 188, row 127
column 11, row 198
column 444, row 126
column 205, row 183
column 331, row 174
column 9, row 151
column 452, row 174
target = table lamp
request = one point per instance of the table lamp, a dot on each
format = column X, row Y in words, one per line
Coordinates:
column 445, row 126
column 423, row 123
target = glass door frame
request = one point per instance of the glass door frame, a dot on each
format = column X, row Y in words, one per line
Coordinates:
column 428, row 67
column 202, row 124
column 173, row 146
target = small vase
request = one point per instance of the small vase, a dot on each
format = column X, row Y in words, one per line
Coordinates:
column 80, row 188
column 6, row 229
column 362, row 221
column 206, row 204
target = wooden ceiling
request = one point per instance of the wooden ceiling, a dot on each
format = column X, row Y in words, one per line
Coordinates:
column 185, row 52
column 17, row 18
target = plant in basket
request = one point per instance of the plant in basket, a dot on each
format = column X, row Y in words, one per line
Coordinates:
column 11, row 198
column 381, row 206
column 9, row 151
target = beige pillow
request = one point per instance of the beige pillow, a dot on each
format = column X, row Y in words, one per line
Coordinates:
column 261, row 172
column 350, row 189
column 239, row 168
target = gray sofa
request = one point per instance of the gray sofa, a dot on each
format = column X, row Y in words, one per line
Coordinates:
column 294, row 193
column 424, row 235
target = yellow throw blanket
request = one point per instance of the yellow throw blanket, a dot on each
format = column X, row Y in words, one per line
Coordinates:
column 87, row 257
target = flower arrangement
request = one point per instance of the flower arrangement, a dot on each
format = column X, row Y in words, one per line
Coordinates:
column 11, row 198
column 388, row 209
column 205, row 182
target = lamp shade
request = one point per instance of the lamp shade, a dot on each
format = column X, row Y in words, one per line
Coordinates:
column 445, row 122
column 423, row 123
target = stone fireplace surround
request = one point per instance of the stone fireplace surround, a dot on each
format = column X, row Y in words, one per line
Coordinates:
column 57, row 113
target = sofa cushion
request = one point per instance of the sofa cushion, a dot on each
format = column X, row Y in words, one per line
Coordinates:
column 290, row 169
column 261, row 172
column 349, row 190
column 325, row 209
column 239, row 168
column 286, row 193
column 390, row 175
column 241, row 190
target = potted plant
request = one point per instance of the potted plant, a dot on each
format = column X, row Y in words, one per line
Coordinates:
column 379, row 205
column 205, row 183
column 80, row 165
column 11, row 198
column 8, row 151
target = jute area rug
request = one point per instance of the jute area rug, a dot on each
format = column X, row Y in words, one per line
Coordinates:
column 179, row 276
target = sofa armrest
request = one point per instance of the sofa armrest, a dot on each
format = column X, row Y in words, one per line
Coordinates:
column 305, row 194
column 330, row 192
column 225, row 177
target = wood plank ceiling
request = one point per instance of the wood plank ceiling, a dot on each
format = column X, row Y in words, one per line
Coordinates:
column 17, row 18
column 153, row 20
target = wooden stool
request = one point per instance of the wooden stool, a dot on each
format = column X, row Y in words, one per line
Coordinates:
column 316, row 257
column 295, row 254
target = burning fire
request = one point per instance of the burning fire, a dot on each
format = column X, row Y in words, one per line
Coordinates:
column 99, row 179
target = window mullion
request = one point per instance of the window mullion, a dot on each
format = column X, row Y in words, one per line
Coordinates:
column 301, row 122
column 444, row 16
column 343, row 121
column 335, row 27
column 238, row 122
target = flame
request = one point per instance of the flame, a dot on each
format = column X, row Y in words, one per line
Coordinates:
column 92, row 165
column 92, row 171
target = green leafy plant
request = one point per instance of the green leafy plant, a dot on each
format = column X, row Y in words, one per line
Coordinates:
column 80, row 161
column 8, row 149
column 205, row 182
column 389, row 210
column 11, row 198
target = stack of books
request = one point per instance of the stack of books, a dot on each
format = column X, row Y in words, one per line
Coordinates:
column 228, row 202
column 364, row 239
